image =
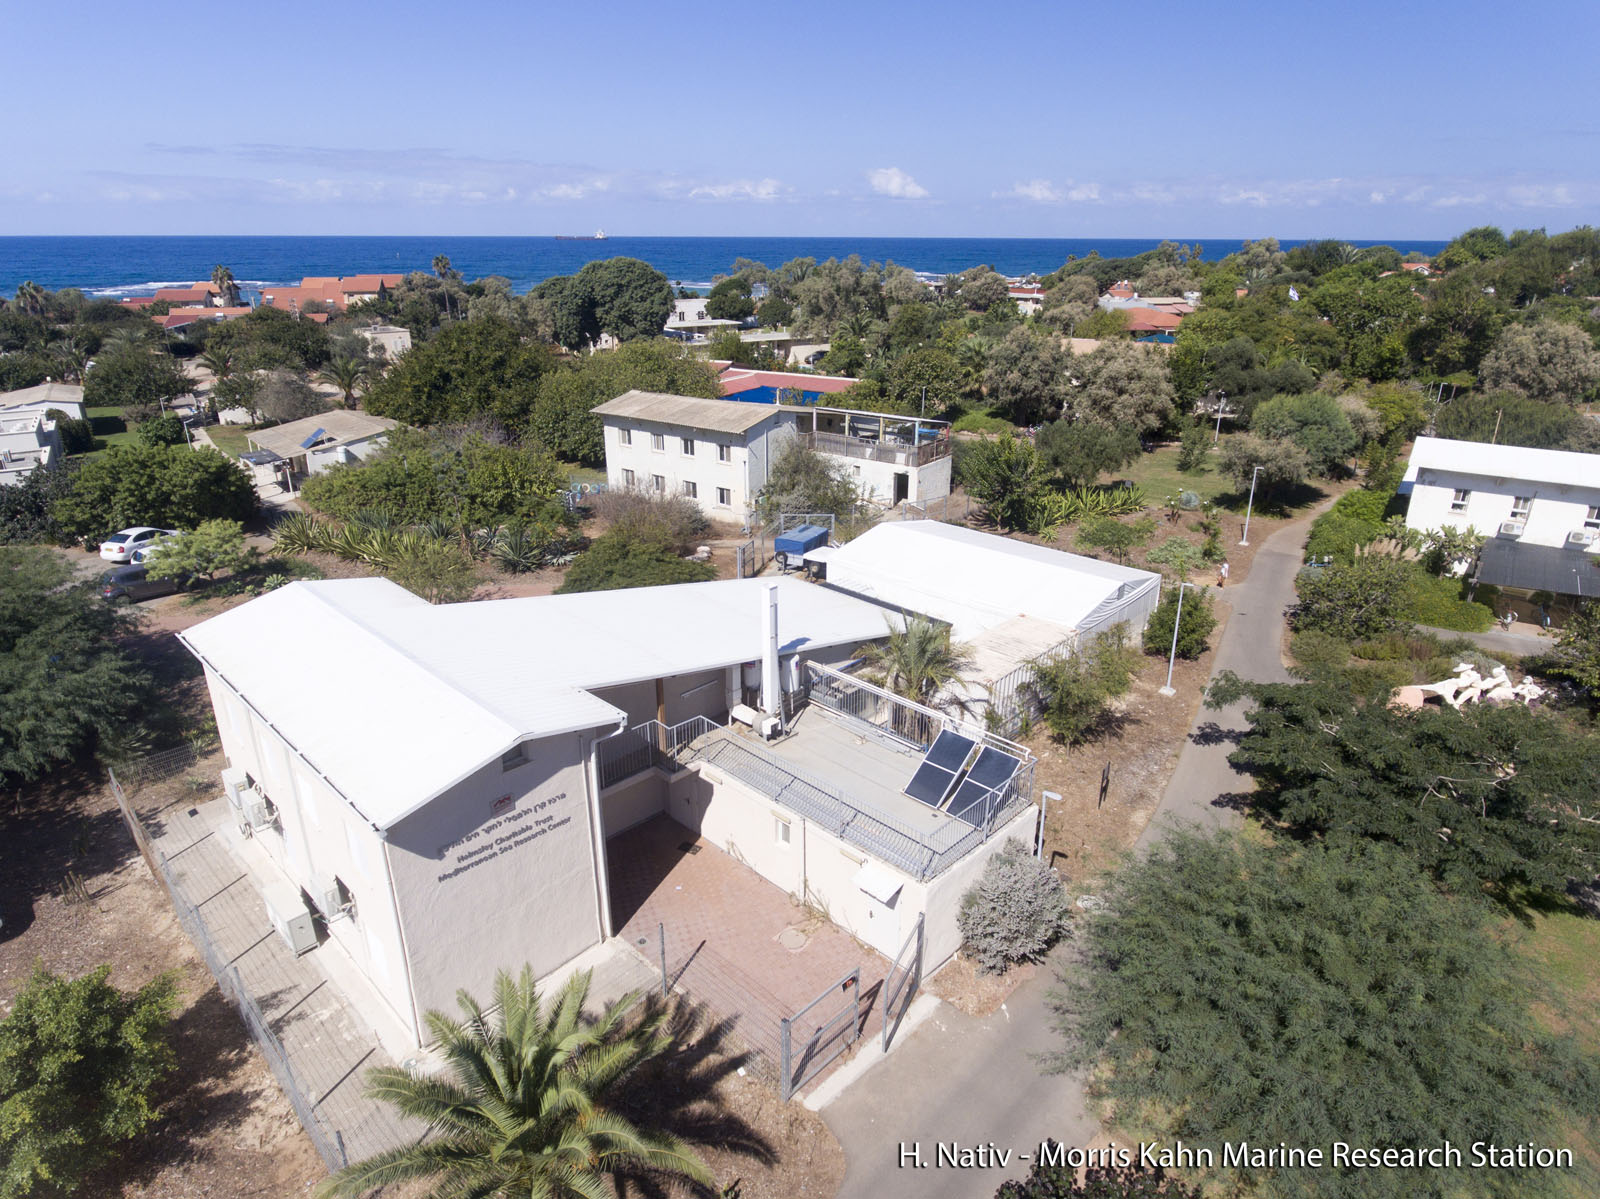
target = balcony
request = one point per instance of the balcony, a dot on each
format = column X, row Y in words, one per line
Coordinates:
column 897, row 452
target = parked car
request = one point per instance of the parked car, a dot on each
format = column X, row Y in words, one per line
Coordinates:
column 119, row 547
column 129, row 584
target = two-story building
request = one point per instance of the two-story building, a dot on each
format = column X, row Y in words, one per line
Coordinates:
column 29, row 441
column 1539, row 509
column 720, row 453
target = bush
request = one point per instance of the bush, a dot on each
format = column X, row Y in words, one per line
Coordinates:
column 1442, row 603
column 1194, row 445
column 215, row 547
column 1107, row 533
column 441, row 572
column 621, row 560
column 27, row 510
column 674, row 521
column 77, row 436
column 168, row 486
column 1354, row 600
column 80, row 1062
column 982, row 422
column 1183, row 555
column 1318, row 653
column 1014, row 912
column 1073, row 692
column 1356, row 519
column 162, row 430
column 1196, row 625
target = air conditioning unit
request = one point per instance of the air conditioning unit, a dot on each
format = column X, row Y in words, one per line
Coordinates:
column 1582, row 537
column 1512, row 528
column 235, row 786
column 333, row 899
column 290, row 917
column 259, row 812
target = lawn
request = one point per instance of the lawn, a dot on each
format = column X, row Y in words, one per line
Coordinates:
column 230, row 439
column 109, row 428
column 577, row 475
column 1157, row 472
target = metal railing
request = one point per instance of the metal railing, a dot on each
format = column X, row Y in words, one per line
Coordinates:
column 895, row 717
column 899, row 453
column 825, row 1041
column 649, row 744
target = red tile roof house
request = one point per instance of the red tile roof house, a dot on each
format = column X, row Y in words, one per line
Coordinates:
column 177, row 318
column 1151, row 320
column 1121, row 291
column 192, row 295
column 337, row 294
column 767, row 387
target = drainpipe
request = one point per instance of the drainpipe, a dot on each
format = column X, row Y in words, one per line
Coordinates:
column 598, row 834
column 771, row 699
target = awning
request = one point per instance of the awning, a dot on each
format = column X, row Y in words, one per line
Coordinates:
column 878, row 882
column 1509, row 562
column 260, row 458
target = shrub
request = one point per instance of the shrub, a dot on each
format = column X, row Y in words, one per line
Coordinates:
column 79, row 1065
column 1196, row 625
column 982, row 422
column 1189, row 501
column 27, row 510
column 168, row 486
column 1073, row 692
column 216, row 546
column 1194, row 445
column 1107, row 533
column 77, row 436
column 1183, row 555
column 165, row 429
column 621, row 560
column 439, row 571
column 1014, row 912
column 674, row 521
column 1353, row 600
column 1318, row 653
column 1442, row 603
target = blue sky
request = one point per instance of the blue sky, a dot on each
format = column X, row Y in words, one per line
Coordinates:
column 1028, row 119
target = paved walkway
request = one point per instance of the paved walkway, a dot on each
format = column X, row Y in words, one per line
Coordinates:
column 1524, row 640
column 1204, row 788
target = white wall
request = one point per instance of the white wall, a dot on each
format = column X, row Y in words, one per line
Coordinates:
column 744, row 474
column 497, row 872
column 931, row 481
column 944, row 892
column 633, row 801
column 1557, row 510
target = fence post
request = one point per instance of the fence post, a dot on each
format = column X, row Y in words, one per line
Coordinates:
column 661, row 932
column 785, row 1070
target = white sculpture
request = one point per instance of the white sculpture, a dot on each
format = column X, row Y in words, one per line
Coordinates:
column 1469, row 686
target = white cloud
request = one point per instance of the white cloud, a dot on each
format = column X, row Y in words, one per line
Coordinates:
column 1457, row 199
column 1084, row 192
column 1040, row 191
column 892, row 181
column 1377, row 197
column 739, row 189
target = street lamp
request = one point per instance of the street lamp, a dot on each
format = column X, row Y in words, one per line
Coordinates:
column 1222, row 403
column 1177, row 621
column 1250, row 507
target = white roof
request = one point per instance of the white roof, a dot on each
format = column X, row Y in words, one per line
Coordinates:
column 394, row 700
column 1561, row 467
column 45, row 395
column 978, row 581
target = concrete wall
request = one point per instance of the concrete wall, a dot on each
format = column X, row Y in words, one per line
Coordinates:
column 943, row 896
column 497, row 872
column 931, row 481
column 703, row 693
column 321, row 838
column 633, row 801
column 1556, row 511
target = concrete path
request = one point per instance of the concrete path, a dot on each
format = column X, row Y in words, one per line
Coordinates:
column 1204, row 788
column 961, row 1079
column 1516, row 644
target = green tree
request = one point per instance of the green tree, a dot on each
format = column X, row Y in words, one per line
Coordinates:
column 563, row 417
column 980, row 288
column 1547, row 360
column 1238, row 991
column 1078, row 454
column 347, row 374
column 447, row 274
column 1069, row 302
column 27, row 509
column 1372, row 317
column 1074, row 691
column 1315, row 423
column 285, row 396
column 64, row 683
column 1109, row 533
column 441, row 572
column 1506, row 418
column 80, row 1063
column 1133, row 1181
column 168, row 486
column 1492, row 795
column 1577, row 651
column 620, row 296
column 729, row 300
column 802, row 480
column 918, row 659
column 213, row 548
column 927, row 380
column 1194, row 629
column 1027, row 376
column 161, row 430
column 532, row 1106
column 1006, row 475
column 1194, row 444
column 471, row 369
column 227, row 286
column 1282, row 463
column 620, row 559
column 1355, row 600
column 1124, row 386
column 134, row 378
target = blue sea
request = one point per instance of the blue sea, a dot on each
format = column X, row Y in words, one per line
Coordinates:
column 119, row 266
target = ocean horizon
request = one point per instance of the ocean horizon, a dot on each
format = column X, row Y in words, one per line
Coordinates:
column 118, row 266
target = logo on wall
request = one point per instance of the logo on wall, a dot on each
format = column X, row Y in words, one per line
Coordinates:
column 504, row 803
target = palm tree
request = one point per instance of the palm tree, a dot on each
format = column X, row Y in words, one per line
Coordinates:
column 346, row 374
column 72, row 356
column 918, row 659
column 31, row 298
column 223, row 278
column 446, row 272
column 123, row 339
column 218, row 361
column 531, row 1109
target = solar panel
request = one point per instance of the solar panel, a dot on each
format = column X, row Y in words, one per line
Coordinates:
column 312, row 440
column 983, row 784
column 937, row 773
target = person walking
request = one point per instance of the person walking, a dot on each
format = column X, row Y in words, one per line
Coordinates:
column 1222, row 573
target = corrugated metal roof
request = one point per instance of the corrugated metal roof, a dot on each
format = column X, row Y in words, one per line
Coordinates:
column 1561, row 467
column 1508, row 562
column 394, row 699
column 715, row 416
column 977, row 581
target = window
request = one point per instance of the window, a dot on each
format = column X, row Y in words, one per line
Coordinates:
column 516, row 756
column 659, row 484
column 625, row 436
column 1521, row 506
column 1592, row 521
column 658, row 441
column 688, row 446
column 780, row 830
column 691, row 490
column 725, row 497
column 724, row 453
column 1458, row 502
column 627, row 478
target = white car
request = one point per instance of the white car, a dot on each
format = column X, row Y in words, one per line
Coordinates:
column 120, row 547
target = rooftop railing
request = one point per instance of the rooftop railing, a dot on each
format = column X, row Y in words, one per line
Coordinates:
column 899, row 453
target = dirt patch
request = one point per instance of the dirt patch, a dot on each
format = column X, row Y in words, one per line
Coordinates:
column 1110, row 787
column 226, row 1129
column 961, row 984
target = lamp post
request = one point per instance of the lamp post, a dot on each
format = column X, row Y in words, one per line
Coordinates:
column 1249, row 507
column 1177, row 622
column 1222, row 404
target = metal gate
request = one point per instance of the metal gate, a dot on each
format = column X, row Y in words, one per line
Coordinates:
column 807, row 1046
column 900, row 987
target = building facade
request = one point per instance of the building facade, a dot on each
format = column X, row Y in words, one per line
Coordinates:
column 29, row 441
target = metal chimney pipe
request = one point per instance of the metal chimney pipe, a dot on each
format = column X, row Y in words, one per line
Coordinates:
column 771, row 700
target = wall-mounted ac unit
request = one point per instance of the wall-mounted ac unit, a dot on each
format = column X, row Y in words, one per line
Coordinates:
column 235, row 786
column 1512, row 528
column 1582, row 537
column 290, row 918
column 259, row 811
column 333, row 899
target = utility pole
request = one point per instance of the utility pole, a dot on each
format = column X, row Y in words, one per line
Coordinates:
column 1249, row 508
column 1177, row 621
column 1222, row 402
